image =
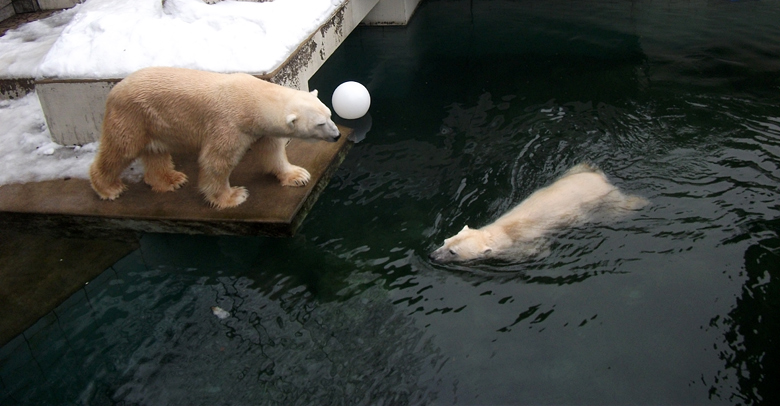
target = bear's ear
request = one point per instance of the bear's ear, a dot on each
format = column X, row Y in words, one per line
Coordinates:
column 314, row 92
column 487, row 251
column 291, row 120
column 465, row 228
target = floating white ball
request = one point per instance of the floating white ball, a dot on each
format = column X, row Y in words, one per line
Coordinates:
column 351, row 100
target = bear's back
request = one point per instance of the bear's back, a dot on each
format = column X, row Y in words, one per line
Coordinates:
column 561, row 202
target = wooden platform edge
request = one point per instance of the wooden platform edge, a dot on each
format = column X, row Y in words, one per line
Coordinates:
column 122, row 227
column 314, row 195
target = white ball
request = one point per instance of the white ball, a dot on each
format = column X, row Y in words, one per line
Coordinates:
column 351, row 100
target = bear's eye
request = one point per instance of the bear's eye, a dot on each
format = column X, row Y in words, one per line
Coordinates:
column 453, row 252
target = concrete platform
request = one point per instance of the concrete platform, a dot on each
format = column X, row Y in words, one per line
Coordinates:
column 71, row 208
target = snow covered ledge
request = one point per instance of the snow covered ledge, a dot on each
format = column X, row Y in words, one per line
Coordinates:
column 74, row 104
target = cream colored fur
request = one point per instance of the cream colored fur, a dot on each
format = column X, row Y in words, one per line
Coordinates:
column 156, row 111
column 574, row 198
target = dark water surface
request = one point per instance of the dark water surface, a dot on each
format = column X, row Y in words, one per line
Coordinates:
column 476, row 105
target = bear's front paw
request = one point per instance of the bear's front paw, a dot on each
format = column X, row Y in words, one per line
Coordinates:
column 231, row 197
column 110, row 192
column 295, row 176
column 166, row 182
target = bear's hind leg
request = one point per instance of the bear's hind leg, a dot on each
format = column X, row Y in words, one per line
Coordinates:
column 159, row 172
column 214, row 181
column 105, row 171
column 121, row 142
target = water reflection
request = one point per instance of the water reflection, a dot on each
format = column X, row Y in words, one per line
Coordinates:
column 285, row 352
column 752, row 326
column 147, row 335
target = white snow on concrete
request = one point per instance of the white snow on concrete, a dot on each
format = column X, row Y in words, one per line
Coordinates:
column 27, row 153
column 23, row 49
column 112, row 38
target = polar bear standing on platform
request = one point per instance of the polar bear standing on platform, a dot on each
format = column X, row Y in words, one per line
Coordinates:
column 583, row 191
column 156, row 111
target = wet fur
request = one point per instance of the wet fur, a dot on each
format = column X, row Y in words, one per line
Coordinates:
column 580, row 195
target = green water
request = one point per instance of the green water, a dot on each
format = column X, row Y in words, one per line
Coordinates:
column 474, row 106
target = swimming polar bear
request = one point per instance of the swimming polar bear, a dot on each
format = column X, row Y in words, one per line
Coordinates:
column 574, row 198
column 159, row 110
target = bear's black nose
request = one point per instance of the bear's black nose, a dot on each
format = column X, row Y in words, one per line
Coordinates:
column 336, row 138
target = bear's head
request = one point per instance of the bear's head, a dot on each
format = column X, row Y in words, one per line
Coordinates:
column 467, row 245
column 309, row 119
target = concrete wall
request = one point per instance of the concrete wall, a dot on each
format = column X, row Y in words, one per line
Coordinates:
column 10, row 8
column 312, row 53
column 57, row 4
column 6, row 9
column 74, row 109
column 391, row 12
column 25, row 6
